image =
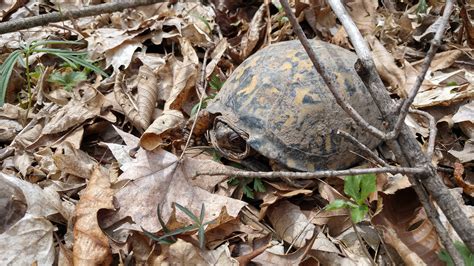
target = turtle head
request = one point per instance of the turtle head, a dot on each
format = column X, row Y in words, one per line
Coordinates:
column 229, row 140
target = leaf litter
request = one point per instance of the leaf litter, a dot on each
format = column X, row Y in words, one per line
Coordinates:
column 87, row 165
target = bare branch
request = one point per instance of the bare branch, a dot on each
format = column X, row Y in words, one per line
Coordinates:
column 364, row 148
column 433, row 132
column 314, row 175
column 435, row 43
column 405, row 147
column 41, row 20
column 329, row 78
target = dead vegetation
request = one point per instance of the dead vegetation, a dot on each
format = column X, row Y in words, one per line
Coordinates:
column 106, row 157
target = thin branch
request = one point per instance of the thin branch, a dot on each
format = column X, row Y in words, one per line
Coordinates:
column 313, row 175
column 364, row 148
column 435, row 43
column 433, row 132
column 411, row 154
column 329, row 78
column 41, row 20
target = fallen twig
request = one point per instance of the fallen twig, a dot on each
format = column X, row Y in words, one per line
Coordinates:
column 314, row 175
column 41, row 20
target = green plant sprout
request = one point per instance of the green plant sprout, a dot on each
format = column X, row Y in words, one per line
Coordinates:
column 169, row 236
column 22, row 55
column 467, row 256
column 358, row 187
column 216, row 84
column 67, row 79
column 247, row 187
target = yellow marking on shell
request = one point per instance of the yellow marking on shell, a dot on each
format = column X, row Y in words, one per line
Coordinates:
column 250, row 87
column 328, row 143
column 298, row 76
column 291, row 163
column 238, row 73
column 300, row 93
column 286, row 66
column 310, row 167
column 305, row 64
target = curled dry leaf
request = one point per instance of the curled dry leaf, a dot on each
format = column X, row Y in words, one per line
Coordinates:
column 70, row 160
column 458, row 176
column 364, row 14
column 402, row 213
column 386, row 67
column 251, row 38
column 293, row 227
column 30, row 239
column 91, row 245
column 163, row 130
column 147, row 94
column 128, row 108
column 184, row 76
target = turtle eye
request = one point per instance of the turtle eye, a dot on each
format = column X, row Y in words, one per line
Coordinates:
column 236, row 139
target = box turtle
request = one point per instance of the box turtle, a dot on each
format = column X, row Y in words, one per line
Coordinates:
column 278, row 105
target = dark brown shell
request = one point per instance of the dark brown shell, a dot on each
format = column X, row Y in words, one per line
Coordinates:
column 279, row 99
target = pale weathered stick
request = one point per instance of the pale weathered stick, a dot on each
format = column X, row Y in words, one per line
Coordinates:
column 407, row 149
column 314, row 175
column 41, row 20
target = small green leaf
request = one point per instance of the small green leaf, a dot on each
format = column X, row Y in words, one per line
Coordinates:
column 201, row 237
column 358, row 213
column 452, row 83
column 336, row 204
column 359, row 187
column 422, row 7
column 258, row 185
column 248, row 191
column 233, row 181
column 187, row 212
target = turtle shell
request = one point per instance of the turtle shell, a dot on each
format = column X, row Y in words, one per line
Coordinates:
column 277, row 97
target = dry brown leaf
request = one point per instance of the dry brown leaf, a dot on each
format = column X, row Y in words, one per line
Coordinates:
column 147, row 94
column 216, row 56
column 155, row 179
column 407, row 255
column 465, row 118
column 184, row 253
column 269, row 257
column 250, row 39
column 91, row 245
column 364, row 14
column 126, row 104
column 70, row 160
column 440, row 61
column 386, row 67
column 458, row 177
column 468, row 26
column 184, row 76
column 467, row 154
column 403, row 213
column 443, row 95
column 293, row 227
column 29, row 239
column 163, row 131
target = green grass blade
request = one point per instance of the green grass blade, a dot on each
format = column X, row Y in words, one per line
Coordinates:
column 53, row 42
column 59, row 51
column 187, row 212
column 67, row 60
column 5, row 73
column 178, row 232
column 201, row 216
column 89, row 65
column 201, row 237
